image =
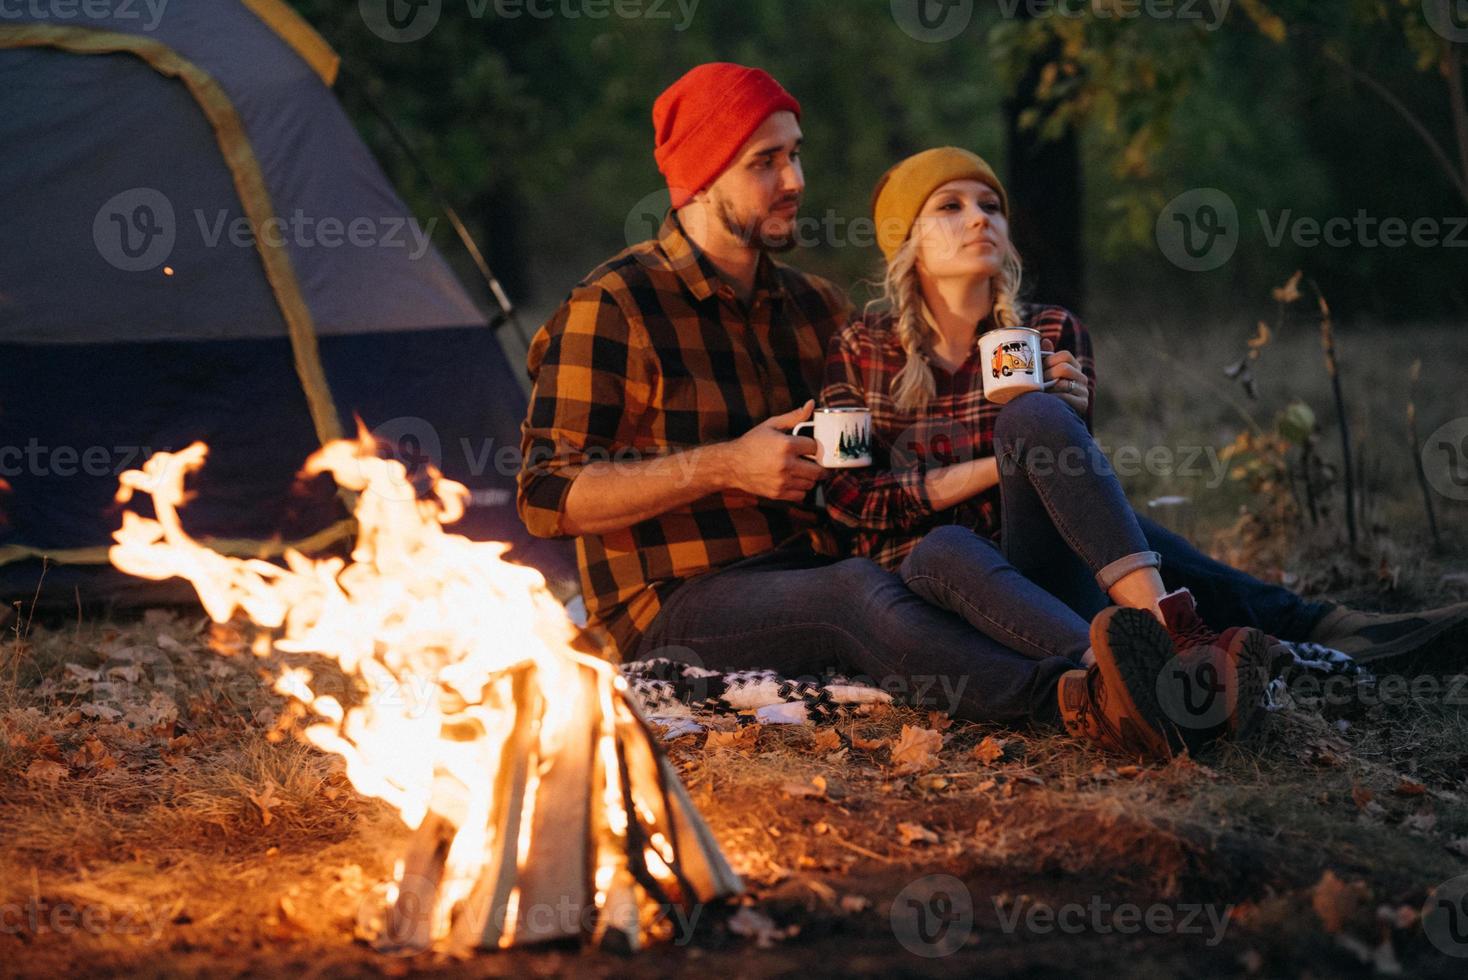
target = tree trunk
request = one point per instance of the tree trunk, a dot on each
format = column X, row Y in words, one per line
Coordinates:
column 1044, row 184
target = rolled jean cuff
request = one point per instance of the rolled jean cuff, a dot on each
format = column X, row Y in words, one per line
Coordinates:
column 1124, row 566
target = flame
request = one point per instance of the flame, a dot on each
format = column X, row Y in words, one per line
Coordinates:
column 439, row 630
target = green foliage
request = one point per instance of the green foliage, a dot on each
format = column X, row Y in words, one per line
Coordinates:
column 540, row 129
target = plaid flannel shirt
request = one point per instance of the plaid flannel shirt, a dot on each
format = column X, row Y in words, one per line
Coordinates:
column 652, row 353
column 886, row 505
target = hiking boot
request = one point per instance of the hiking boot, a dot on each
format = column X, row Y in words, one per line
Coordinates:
column 1215, row 686
column 1114, row 701
column 1365, row 636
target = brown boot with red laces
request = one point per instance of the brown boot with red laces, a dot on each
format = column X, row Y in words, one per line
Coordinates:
column 1214, row 687
column 1114, row 701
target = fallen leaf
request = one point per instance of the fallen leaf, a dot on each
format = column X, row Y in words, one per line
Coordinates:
column 990, row 750
column 1336, row 902
column 265, row 801
column 1408, row 788
column 742, row 738
column 46, row 748
column 916, row 749
column 1361, row 795
column 913, row 833
column 826, row 740
column 1421, row 822
column 166, row 642
column 939, row 721
column 759, row 927
column 869, row 744
column 1290, row 291
column 46, row 771
column 1129, row 772
column 816, row 787
column 1401, row 917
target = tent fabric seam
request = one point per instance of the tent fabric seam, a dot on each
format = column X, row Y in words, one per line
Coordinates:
column 237, row 547
column 293, row 29
column 249, row 183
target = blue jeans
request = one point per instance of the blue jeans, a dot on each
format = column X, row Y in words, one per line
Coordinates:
column 1068, row 534
column 807, row 615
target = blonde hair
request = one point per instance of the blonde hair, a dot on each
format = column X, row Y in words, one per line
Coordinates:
column 900, row 292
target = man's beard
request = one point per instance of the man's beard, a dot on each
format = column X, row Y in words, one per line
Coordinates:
column 751, row 231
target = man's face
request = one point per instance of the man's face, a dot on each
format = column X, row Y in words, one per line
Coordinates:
column 757, row 197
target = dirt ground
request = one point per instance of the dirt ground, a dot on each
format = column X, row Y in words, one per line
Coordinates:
column 161, row 817
column 206, row 840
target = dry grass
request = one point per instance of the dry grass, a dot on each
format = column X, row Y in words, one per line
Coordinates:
column 162, row 831
column 149, row 776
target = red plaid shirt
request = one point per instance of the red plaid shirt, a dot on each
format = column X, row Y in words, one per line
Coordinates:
column 886, row 505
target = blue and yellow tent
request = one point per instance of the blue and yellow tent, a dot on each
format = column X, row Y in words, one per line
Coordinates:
column 195, row 244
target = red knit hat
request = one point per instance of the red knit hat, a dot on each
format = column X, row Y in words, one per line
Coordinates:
column 702, row 119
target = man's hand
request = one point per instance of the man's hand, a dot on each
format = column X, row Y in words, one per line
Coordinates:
column 767, row 461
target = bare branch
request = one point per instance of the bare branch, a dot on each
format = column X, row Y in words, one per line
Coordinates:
column 1438, row 153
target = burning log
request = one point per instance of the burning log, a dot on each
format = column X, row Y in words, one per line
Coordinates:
column 541, row 805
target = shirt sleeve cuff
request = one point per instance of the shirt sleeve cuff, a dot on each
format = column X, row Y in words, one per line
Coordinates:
column 543, row 501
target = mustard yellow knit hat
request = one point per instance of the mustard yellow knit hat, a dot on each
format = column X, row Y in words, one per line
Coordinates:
column 901, row 191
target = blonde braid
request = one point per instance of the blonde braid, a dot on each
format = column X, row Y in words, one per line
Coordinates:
column 901, row 293
column 1006, row 290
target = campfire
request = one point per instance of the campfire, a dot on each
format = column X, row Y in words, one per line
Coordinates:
column 540, row 804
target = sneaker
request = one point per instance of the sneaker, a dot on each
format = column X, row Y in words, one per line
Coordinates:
column 1113, row 702
column 1216, row 686
column 1367, row 636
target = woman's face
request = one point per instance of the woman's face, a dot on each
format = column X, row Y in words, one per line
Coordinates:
column 962, row 232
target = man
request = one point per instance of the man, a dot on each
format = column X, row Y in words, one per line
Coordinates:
column 658, row 436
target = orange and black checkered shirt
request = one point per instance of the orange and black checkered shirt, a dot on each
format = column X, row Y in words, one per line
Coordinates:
column 652, row 353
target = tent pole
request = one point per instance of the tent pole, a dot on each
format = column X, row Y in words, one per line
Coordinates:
column 506, row 312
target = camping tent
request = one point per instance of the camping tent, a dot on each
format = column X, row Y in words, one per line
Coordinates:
column 195, row 244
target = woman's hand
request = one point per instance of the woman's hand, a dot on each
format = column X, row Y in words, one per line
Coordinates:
column 1071, row 385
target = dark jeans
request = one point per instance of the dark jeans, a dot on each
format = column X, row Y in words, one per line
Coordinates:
column 1068, row 534
column 804, row 614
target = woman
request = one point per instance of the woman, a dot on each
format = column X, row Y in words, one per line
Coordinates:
column 1009, row 516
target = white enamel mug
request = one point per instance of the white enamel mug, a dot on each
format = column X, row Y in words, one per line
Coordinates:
column 1012, row 363
column 843, row 437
